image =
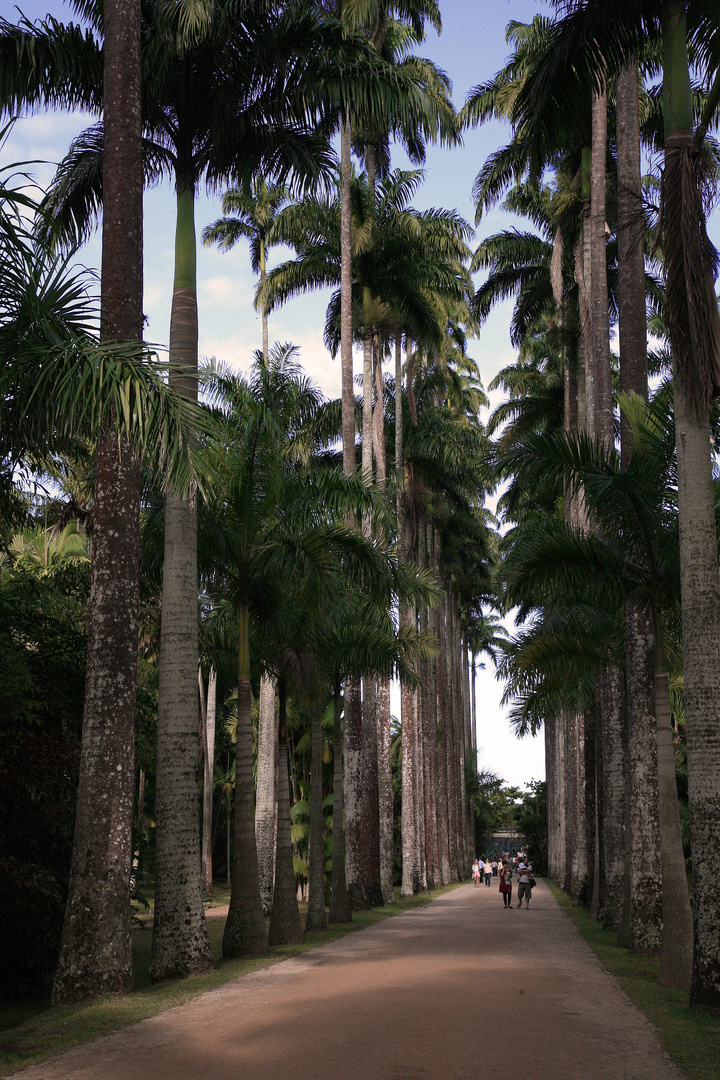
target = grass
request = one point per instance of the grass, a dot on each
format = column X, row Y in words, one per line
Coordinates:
column 34, row 1032
column 692, row 1038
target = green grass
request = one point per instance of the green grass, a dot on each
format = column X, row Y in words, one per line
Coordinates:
column 692, row 1038
column 34, row 1032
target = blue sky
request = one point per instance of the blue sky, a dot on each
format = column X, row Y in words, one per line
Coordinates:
column 471, row 49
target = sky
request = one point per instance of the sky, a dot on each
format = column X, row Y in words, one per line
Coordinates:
column 471, row 48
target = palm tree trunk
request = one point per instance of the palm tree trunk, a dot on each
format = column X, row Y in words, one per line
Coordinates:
column 265, row 802
column 407, row 820
column 560, row 772
column 550, row 768
column 676, row 951
column 208, row 779
column 691, row 320
column 633, row 377
column 612, row 796
column 285, row 927
column 180, row 940
column 419, row 867
column 440, row 724
column 470, row 841
column 450, row 744
column 352, row 753
column 95, row 949
column 429, row 737
column 645, row 880
column 263, row 310
column 371, row 795
column 245, row 933
column 316, row 914
column 340, row 911
column 602, row 381
column 382, row 699
column 346, row 356
column 632, row 329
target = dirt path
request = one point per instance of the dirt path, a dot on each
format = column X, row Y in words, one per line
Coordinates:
column 413, row 998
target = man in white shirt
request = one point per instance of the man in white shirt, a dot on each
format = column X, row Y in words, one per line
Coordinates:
column 524, row 875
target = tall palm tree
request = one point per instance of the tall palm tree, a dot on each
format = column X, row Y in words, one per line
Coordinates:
column 95, row 955
column 249, row 214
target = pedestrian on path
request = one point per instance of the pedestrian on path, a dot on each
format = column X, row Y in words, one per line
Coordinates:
column 524, row 887
column 488, row 872
column 506, row 884
column 494, row 867
column 476, row 874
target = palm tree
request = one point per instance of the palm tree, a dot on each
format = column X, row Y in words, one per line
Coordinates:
column 249, row 214
column 95, row 950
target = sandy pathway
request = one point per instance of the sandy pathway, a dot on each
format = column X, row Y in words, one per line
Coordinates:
column 413, row 998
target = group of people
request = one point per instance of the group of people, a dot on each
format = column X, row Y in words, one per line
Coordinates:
column 489, row 868
column 484, row 868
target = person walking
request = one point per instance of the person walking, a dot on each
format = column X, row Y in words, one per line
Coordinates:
column 488, row 872
column 524, row 887
column 506, row 884
column 476, row 874
column 494, row 867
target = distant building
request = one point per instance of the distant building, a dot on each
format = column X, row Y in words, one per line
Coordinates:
column 507, row 841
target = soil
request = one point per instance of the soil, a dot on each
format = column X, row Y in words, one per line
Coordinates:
column 459, row 989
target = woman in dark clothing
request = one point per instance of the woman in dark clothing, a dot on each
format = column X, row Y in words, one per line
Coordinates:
column 506, row 884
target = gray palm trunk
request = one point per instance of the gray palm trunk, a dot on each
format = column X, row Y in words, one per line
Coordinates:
column 316, row 913
column 560, row 775
column 700, row 584
column 612, row 792
column 469, row 845
column 370, row 826
column 285, row 927
column 340, row 911
column 438, row 687
column 352, row 732
column 695, row 334
column 633, row 377
column 180, row 939
column 407, row 819
column 265, row 802
column 550, row 767
column 382, row 699
column 645, row 876
column 208, row 704
column 346, row 355
column 352, row 793
column 429, row 730
column 95, row 950
column 676, row 950
column 450, row 747
column 245, row 933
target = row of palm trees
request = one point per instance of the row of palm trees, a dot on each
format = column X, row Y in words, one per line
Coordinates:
column 613, row 554
column 332, row 580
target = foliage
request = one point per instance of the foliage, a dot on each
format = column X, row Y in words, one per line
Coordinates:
column 42, row 671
